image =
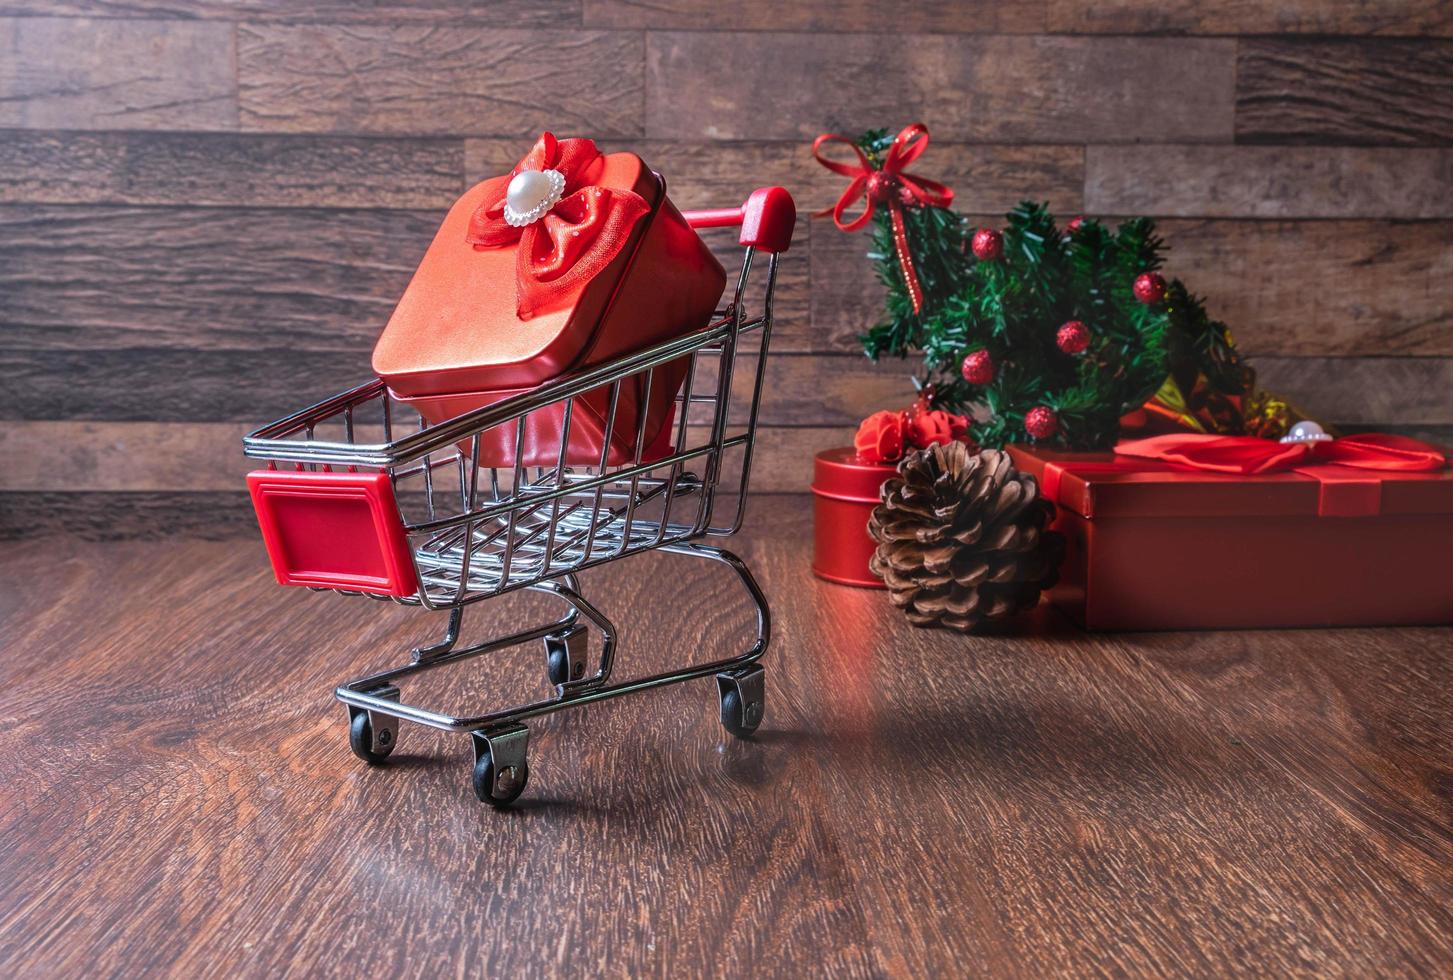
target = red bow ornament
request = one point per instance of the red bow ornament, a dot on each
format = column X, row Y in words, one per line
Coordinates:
column 1345, row 469
column 886, row 437
column 1247, row 455
column 892, row 186
column 568, row 228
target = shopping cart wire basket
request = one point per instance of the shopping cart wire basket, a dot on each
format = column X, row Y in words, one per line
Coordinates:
column 363, row 496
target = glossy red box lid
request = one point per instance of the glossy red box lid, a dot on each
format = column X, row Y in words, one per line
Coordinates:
column 456, row 328
column 1099, row 485
column 842, row 473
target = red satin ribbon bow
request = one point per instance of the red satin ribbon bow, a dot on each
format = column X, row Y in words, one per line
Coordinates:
column 575, row 239
column 891, row 186
column 1248, row 455
column 1334, row 464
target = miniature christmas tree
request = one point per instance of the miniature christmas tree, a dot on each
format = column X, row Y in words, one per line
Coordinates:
column 1042, row 334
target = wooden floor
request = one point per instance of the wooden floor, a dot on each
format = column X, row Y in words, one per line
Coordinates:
column 177, row 793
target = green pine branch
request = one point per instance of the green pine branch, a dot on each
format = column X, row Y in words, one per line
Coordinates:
column 1014, row 306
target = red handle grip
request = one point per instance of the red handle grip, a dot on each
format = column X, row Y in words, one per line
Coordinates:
column 767, row 218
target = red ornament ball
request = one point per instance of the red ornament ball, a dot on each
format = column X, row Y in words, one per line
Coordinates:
column 1076, row 223
column 1041, row 422
column 987, row 244
column 978, row 368
column 1073, row 337
column 1149, row 287
column 881, row 186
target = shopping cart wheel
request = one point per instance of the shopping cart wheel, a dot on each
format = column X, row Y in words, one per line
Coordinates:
column 743, row 700
column 500, row 769
column 372, row 735
column 566, row 653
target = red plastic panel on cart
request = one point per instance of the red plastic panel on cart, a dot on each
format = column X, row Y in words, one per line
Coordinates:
column 333, row 530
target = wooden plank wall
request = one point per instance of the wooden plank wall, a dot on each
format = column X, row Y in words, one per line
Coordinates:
column 207, row 208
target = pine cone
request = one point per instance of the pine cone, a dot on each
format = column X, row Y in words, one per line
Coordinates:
column 961, row 538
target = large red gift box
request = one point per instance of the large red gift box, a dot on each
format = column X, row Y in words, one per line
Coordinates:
column 1161, row 545
column 500, row 305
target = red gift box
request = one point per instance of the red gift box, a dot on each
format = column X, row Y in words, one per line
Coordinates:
column 498, row 307
column 1162, row 545
column 845, row 490
column 847, row 484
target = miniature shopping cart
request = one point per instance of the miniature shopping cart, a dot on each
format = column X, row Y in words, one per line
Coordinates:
column 364, row 497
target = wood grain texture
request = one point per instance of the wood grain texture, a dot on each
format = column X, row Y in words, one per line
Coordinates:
column 161, row 515
column 1399, row 792
column 741, row 86
column 204, row 278
column 1403, row 391
column 85, row 457
column 151, row 384
column 116, row 74
column 1415, row 18
column 438, row 80
column 127, row 515
column 1042, row 803
column 88, row 278
column 178, row 457
column 702, row 902
column 843, row 389
column 156, row 384
column 226, row 169
column 160, row 270
column 931, row 16
column 1354, row 288
column 1269, row 181
column 1381, row 92
column 244, row 278
column 500, row 13
column 1090, row 698
column 141, row 384
column 1287, row 288
column 713, row 174
column 186, row 478
column 1350, row 288
column 1440, row 435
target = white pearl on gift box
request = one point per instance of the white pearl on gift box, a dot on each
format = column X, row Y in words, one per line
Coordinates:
column 531, row 193
column 528, row 190
column 1306, row 432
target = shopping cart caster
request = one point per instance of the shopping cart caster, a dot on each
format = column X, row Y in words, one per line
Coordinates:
column 500, row 770
column 565, row 654
column 743, row 700
column 372, row 735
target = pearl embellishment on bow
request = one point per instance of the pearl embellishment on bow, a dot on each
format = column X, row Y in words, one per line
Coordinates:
column 1306, row 432
column 532, row 193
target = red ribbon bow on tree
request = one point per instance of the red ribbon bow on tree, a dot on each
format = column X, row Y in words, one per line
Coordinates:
column 568, row 228
column 891, row 186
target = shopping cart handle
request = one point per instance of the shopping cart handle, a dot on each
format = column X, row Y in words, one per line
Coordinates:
column 767, row 219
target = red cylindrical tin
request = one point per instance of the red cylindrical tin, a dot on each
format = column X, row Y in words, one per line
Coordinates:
column 845, row 491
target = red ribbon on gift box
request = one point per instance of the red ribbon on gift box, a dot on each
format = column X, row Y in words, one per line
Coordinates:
column 1343, row 468
column 889, row 185
column 573, row 241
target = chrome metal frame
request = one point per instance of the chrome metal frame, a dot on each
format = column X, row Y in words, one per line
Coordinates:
column 481, row 523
